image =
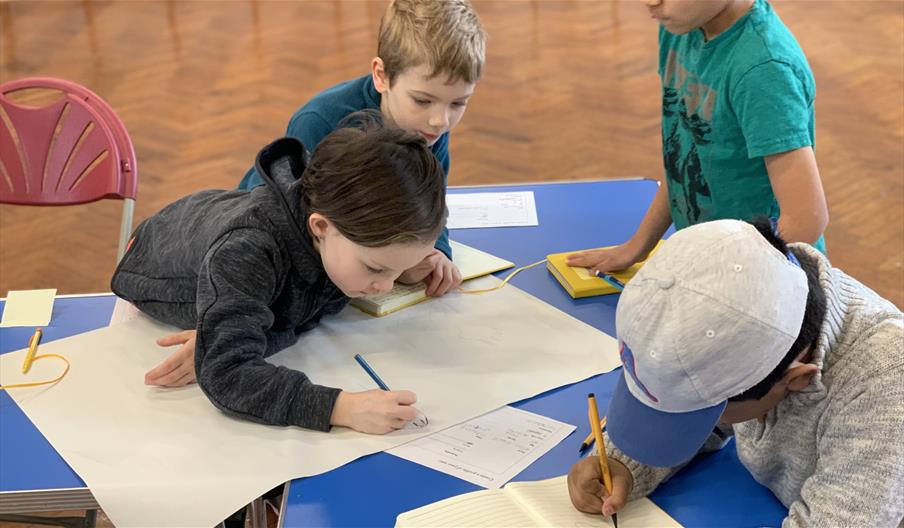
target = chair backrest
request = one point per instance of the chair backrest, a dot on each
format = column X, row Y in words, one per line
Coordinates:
column 74, row 150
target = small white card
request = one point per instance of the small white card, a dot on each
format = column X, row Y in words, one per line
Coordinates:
column 490, row 449
column 28, row 308
column 494, row 209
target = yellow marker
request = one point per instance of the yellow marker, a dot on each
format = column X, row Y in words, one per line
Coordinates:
column 589, row 440
column 32, row 350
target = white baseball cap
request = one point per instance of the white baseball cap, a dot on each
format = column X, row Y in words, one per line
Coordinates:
column 709, row 316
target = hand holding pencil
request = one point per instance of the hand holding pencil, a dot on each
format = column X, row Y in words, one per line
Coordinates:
column 588, row 486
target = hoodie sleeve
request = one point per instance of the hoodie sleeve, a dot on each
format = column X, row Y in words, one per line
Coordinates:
column 237, row 281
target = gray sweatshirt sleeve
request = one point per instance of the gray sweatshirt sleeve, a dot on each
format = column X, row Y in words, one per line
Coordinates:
column 647, row 478
column 236, row 284
column 858, row 478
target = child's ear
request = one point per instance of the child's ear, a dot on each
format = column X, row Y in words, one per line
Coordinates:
column 319, row 225
column 799, row 377
column 377, row 71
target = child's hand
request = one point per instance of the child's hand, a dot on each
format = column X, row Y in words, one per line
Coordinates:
column 586, row 489
column 374, row 411
column 440, row 274
column 178, row 369
column 606, row 260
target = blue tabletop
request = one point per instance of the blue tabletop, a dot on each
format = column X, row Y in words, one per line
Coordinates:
column 27, row 461
column 714, row 490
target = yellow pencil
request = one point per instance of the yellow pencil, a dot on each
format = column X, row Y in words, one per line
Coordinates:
column 589, row 440
column 32, row 350
column 594, row 416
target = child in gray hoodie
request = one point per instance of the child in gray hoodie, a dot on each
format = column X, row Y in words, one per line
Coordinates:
column 248, row 271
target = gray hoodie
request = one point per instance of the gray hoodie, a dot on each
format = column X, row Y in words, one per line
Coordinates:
column 236, row 267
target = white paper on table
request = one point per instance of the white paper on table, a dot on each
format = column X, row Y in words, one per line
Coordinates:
column 168, row 457
column 494, row 209
column 123, row 311
column 490, row 449
column 28, row 308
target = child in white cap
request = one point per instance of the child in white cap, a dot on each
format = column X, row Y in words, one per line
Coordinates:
column 727, row 329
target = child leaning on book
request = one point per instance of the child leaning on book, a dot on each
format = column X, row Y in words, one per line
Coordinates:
column 430, row 55
column 249, row 271
column 738, row 133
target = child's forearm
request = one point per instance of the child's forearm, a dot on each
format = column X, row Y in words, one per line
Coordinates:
column 806, row 228
column 654, row 223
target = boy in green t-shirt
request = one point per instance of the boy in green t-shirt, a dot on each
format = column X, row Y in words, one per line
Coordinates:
column 737, row 127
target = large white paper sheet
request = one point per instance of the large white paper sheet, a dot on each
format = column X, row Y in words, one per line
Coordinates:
column 164, row 457
column 496, row 209
column 490, row 449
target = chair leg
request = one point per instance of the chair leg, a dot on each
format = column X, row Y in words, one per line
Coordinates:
column 125, row 226
column 258, row 513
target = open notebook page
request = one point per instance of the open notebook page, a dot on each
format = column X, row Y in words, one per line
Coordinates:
column 490, row 508
column 549, row 500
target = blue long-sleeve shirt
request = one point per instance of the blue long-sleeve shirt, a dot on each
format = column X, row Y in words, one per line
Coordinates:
column 322, row 114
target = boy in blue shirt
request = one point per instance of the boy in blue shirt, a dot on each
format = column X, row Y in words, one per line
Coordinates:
column 737, row 127
column 430, row 54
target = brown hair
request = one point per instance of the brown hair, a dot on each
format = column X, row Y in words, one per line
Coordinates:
column 446, row 35
column 379, row 186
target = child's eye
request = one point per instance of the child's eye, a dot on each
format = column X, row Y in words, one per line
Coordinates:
column 422, row 102
column 374, row 270
column 460, row 105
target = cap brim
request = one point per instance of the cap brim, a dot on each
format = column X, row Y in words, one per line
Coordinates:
column 657, row 438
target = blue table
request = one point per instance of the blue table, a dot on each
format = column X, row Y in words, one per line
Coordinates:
column 714, row 490
column 33, row 476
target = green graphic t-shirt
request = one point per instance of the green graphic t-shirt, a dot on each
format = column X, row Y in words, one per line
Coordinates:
column 726, row 104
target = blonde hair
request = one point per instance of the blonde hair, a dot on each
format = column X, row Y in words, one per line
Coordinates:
column 445, row 35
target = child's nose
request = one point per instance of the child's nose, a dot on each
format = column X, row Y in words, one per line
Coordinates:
column 440, row 119
column 382, row 286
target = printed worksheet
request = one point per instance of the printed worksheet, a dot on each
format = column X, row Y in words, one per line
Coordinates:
column 494, row 209
column 490, row 449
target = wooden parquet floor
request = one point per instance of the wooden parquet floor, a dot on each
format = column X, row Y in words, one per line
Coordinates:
column 570, row 92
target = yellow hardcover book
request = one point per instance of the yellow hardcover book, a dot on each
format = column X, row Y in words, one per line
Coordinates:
column 471, row 262
column 578, row 282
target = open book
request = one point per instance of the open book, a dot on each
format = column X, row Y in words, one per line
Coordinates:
column 472, row 263
column 540, row 503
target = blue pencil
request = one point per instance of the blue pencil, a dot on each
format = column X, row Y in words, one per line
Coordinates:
column 611, row 280
column 419, row 421
column 370, row 372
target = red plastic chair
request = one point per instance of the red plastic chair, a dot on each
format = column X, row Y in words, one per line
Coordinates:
column 72, row 151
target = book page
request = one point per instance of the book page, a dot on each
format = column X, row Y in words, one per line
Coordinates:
column 490, row 508
column 549, row 500
column 471, row 262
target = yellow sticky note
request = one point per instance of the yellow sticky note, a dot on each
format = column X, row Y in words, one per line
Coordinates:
column 28, row 308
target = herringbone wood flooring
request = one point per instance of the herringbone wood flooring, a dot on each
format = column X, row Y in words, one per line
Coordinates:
column 570, row 92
